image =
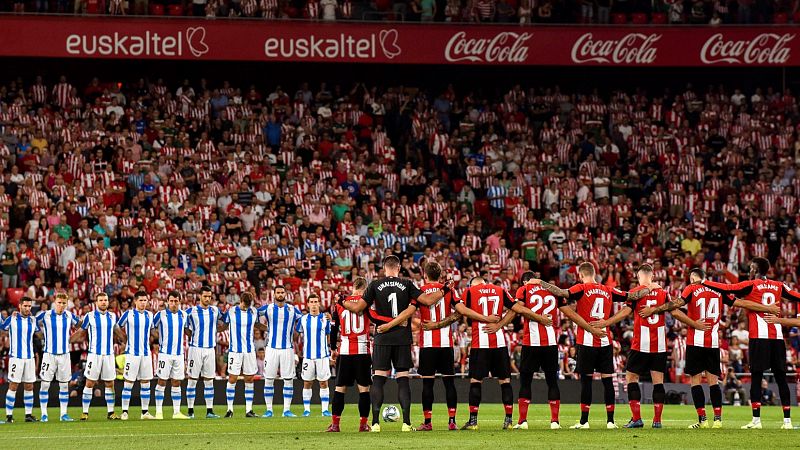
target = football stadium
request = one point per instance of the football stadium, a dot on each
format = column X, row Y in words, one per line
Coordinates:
column 399, row 223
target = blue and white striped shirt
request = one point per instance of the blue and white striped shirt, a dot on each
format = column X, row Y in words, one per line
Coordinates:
column 499, row 192
column 315, row 330
column 281, row 322
column 241, row 323
column 170, row 331
column 137, row 325
column 101, row 332
column 56, row 329
column 21, row 331
column 203, row 323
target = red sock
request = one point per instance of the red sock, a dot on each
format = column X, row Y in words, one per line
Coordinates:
column 636, row 409
column 584, row 407
column 701, row 412
column 755, row 405
column 451, row 412
column 473, row 409
column 509, row 409
column 336, row 420
column 658, row 408
column 426, row 414
column 609, row 408
column 718, row 412
column 363, row 420
column 523, row 409
column 554, row 407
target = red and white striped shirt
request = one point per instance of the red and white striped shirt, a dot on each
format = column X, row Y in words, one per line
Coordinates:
column 441, row 338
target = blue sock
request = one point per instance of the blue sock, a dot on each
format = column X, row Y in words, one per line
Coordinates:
column 110, row 399
column 144, row 392
column 269, row 392
column 288, row 393
column 230, row 393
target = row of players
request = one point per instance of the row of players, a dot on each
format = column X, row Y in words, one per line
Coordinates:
column 390, row 303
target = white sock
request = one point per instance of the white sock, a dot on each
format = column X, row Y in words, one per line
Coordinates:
column 27, row 399
column 269, row 392
column 324, row 397
column 307, row 393
column 63, row 397
column 191, row 392
column 127, row 389
column 787, row 420
column 110, row 399
column 756, row 419
column 144, row 392
column 44, row 396
column 288, row 394
column 11, row 398
column 230, row 394
column 176, row 399
column 249, row 393
column 160, row 398
column 87, row 398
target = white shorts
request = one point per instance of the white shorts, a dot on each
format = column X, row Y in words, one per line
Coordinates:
column 202, row 362
column 138, row 368
column 171, row 367
column 279, row 359
column 316, row 369
column 22, row 370
column 100, row 367
column 242, row 363
column 56, row 366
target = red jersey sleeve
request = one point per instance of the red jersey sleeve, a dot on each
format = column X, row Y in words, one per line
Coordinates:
column 619, row 296
column 738, row 289
column 686, row 295
column 508, row 301
column 789, row 294
column 576, row 292
column 520, row 297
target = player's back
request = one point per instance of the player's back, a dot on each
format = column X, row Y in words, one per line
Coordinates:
column 434, row 313
column 649, row 334
column 703, row 305
column 387, row 298
column 354, row 330
column 593, row 302
column 767, row 293
column 489, row 300
column 539, row 301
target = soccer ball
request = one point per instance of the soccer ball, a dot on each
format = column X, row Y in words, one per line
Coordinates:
column 390, row 414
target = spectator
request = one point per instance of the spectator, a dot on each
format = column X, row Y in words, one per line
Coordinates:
column 735, row 393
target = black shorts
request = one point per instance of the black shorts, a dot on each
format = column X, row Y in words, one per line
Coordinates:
column 594, row 359
column 354, row 368
column 486, row 361
column 435, row 360
column 767, row 354
column 701, row 359
column 386, row 356
column 539, row 358
column 642, row 363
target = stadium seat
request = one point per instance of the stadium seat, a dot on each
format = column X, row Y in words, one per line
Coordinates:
column 639, row 18
column 781, row 18
column 175, row 10
column 659, row 18
column 482, row 208
column 458, row 185
column 383, row 5
column 14, row 295
column 619, row 19
column 156, row 9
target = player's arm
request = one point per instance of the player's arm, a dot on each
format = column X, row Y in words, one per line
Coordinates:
column 696, row 324
column 784, row 321
column 401, row 318
column 334, row 336
column 738, row 289
column 354, row 307
column 615, row 319
column 757, row 307
column 446, row 322
column 552, row 288
column 474, row 315
column 634, row 296
column 572, row 315
column 672, row 304
column 526, row 312
column 431, row 298
column 789, row 294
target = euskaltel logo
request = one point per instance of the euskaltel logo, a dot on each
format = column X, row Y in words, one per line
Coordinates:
column 388, row 40
column 141, row 44
column 195, row 38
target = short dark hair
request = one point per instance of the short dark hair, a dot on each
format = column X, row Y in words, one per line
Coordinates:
column 25, row 299
column 174, row 293
column 699, row 272
column 646, row 268
column 391, row 262
column 476, row 279
column 140, row 294
column 206, row 290
column 247, row 298
column 310, row 296
column 433, row 271
column 280, row 286
column 527, row 276
column 360, row 283
column 762, row 264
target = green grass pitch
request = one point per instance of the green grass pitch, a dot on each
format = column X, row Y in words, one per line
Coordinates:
column 307, row 433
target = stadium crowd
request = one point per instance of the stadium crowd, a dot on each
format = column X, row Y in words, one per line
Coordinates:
column 480, row 11
column 116, row 188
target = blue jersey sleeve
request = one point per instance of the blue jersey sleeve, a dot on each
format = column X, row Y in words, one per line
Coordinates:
column 6, row 324
column 40, row 316
column 74, row 318
column 298, row 325
column 327, row 326
column 123, row 319
column 157, row 318
column 85, row 323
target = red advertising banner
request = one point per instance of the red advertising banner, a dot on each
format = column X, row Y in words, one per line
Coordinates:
column 245, row 40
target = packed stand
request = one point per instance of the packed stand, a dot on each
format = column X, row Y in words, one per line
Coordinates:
column 147, row 186
column 697, row 12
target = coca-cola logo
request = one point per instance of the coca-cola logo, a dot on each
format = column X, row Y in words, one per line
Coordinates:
column 633, row 48
column 341, row 45
column 505, row 47
column 766, row 48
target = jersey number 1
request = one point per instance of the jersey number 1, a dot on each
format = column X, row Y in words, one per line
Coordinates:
column 393, row 302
